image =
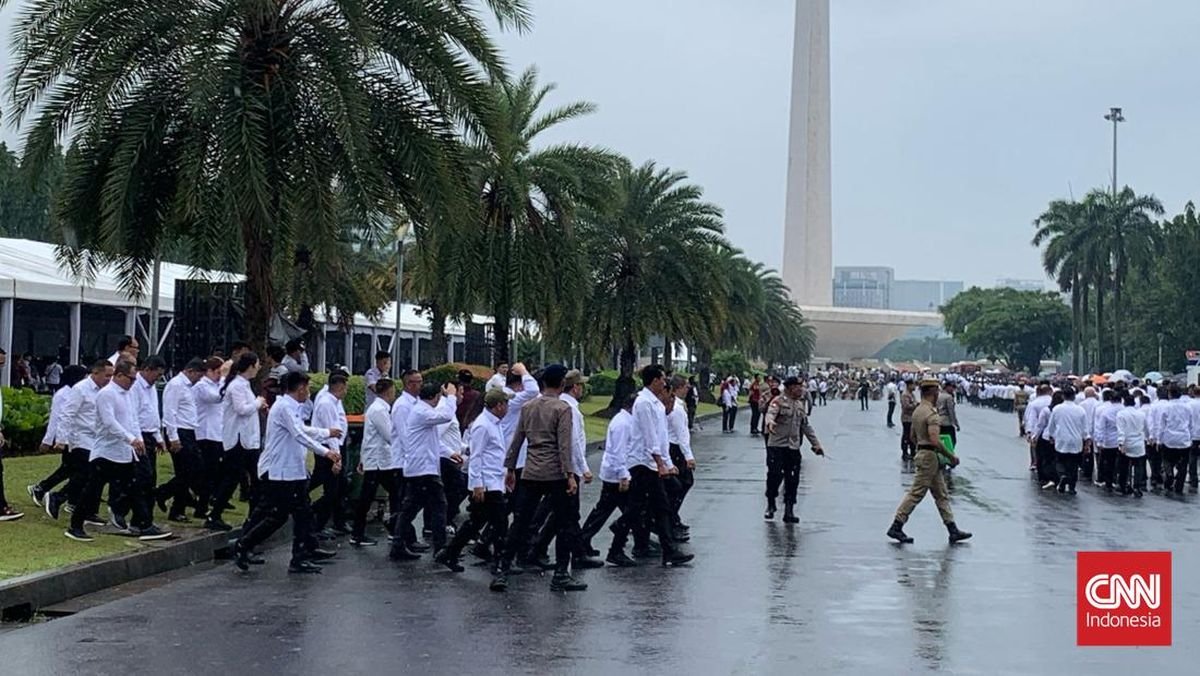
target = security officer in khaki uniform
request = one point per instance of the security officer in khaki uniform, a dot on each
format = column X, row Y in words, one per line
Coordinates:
column 1020, row 403
column 926, row 433
column 908, row 404
column 786, row 422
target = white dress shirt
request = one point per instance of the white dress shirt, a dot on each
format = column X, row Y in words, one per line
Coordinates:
column 614, row 466
column 423, row 449
column 377, row 437
column 149, row 418
column 488, row 449
column 369, row 379
column 79, row 416
column 207, row 394
column 1194, row 409
column 56, row 429
column 1042, row 424
column 179, row 407
column 729, row 395
column 1104, row 424
column 451, row 439
column 1089, row 405
column 1068, row 427
column 498, row 381
column 116, row 424
column 1035, row 408
column 239, row 416
column 1176, row 429
column 677, row 429
column 283, row 454
column 1131, row 431
column 516, row 402
column 329, row 412
column 578, row 436
column 650, row 419
column 400, row 411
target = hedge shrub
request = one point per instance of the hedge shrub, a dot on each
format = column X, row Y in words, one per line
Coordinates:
column 448, row 373
column 355, row 401
column 26, row 414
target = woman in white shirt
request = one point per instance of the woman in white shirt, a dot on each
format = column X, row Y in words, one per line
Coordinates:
column 241, row 437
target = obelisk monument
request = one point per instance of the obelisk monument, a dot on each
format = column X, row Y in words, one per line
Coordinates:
column 808, row 221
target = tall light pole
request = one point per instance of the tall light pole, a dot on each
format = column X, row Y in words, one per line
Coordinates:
column 1114, row 115
column 401, row 239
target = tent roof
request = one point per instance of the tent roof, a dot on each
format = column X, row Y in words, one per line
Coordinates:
column 30, row 271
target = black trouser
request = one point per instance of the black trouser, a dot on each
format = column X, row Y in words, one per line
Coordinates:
column 550, row 527
column 729, row 418
column 691, row 411
column 1109, row 458
column 611, row 499
column 783, row 466
column 1045, row 461
column 145, row 478
column 79, row 468
column 332, row 484
column 755, row 414
column 1089, row 462
column 212, row 454
column 863, row 404
column 686, row 478
column 493, row 513
column 1193, row 457
column 3, row 498
column 1154, row 456
column 565, row 511
column 423, row 492
column 1131, row 469
column 118, row 476
column 454, row 479
column 372, row 480
column 249, row 480
column 229, row 475
column 277, row 501
column 1021, row 420
column 824, row 401
column 1175, row 471
column 648, row 507
column 59, row 475
column 189, row 474
column 891, row 410
column 907, row 449
column 1068, row 469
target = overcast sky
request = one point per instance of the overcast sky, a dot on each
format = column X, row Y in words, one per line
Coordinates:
column 954, row 121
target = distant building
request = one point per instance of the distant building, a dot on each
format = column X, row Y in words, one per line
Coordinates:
column 863, row 287
column 922, row 295
column 1021, row 284
column 876, row 287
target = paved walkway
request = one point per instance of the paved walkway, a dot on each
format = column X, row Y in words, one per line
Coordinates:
column 829, row 595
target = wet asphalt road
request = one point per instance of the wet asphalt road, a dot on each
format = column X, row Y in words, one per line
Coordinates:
column 831, row 594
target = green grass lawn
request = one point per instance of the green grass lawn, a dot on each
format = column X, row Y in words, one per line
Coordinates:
column 37, row 542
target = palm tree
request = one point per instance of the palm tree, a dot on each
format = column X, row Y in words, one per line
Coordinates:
column 650, row 255
column 520, row 253
column 237, row 126
column 1063, row 228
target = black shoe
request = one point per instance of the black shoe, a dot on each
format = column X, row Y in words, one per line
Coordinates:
column 340, row 529
column 401, row 553
column 542, row 562
column 321, row 555
column 1137, row 493
column 36, row 493
column 418, row 547
column 241, row 558
column 499, row 582
column 585, row 562
column 78, row 535
column 770, row 513
column 53, row 504
column 161, row 501
column 593, row 552
column 789, row 514
column 677, row 558
column 153, row 532
column 563, row 582
column 957, row 535
column 200, row 515
column 620, row 560
column 217, row 525
column 896, row 532
column 118, row 522
column 356, row 541
column 481, row 550
column 94, row 520
column 449, row 560
column 304, row 568
column 178, row 518
column 226, row 507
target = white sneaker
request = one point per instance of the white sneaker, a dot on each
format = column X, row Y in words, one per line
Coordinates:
column 1098, row 484
column 1049, row 484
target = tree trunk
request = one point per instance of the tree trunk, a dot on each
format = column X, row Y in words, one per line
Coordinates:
column 260, row 292
column 1083, row 329
column 1100, row 363
column 668, row 355
column 625, row 385
column 1076, row 361
column 437, row 332
column 1118, row 274
column 704, row 373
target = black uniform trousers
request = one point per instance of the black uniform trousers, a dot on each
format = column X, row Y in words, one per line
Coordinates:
column 427, row 493
column 212, row 454
column 1109, row 458
column 60, row 474
column 333, row 489
column 189, row 474
column 372, row 480
column 1175, row 462
column 1045, row 461
column 907, row 448
column 1068, row 469
column 80, row 467
column 1154, row 454
column 564, row 510
column 145, row 478
column 783, row 466
column 611, row 499
column 891, row 411
column 491, row 512
column 550, row 527
column 648, row 510
column 454, row 479
column 1131, row 470
column 1194, row 457
column 118, row 476
column 278, row 500
column 228, row 477
column 685, row 479
column 755, row 416
column 729, row 418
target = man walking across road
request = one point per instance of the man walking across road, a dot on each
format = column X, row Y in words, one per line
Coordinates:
column 787, row 426
column 908, row 404
column 928, row 477
column 1067, row 431
column 889, row 391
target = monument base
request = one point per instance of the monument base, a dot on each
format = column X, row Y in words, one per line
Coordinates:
column 846, row 333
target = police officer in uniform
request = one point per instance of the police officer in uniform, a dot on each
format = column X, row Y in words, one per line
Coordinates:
column 908, row 404
column 1020, row 404
column 787, row 420
column 926, row 432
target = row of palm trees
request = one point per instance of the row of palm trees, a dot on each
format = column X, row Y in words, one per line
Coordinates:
column 1091, row 247
column 289, row 140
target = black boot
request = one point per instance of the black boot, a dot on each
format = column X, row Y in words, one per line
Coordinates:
column 789, row 515
column 956, row 535
column 896, row 532
column 770, row 513
column 449, row 558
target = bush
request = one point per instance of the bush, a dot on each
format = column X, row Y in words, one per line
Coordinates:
column 355, row 402
column 26, row 414
column 603, row 383
column 448, row 373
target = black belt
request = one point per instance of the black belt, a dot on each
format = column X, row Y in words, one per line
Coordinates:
column 926, row 447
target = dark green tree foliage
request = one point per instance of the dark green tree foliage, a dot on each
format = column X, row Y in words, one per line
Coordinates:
column 24, row 200
column 1019, row 328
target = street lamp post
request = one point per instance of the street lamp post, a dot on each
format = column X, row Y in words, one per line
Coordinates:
column 1160, row 342
column 401, row 239
column 1114, row 115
